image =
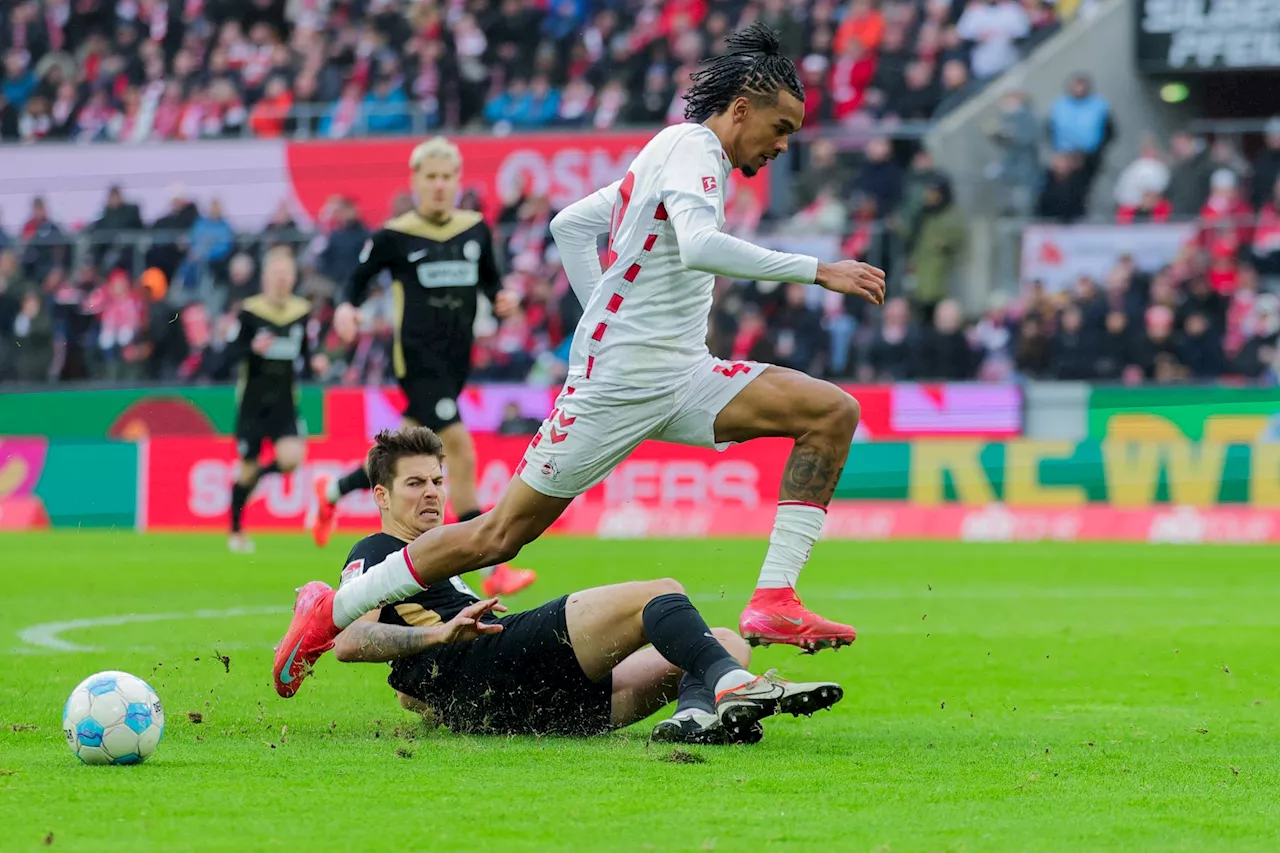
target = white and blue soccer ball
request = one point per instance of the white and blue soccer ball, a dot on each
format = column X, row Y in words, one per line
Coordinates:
column 113, row 718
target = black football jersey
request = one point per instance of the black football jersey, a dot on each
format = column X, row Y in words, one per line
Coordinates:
column 436, row 269
column 438, row 603
column 269, row 378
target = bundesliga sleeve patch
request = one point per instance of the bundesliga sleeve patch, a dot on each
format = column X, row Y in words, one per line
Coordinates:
column 708, row 185
column 353, row 569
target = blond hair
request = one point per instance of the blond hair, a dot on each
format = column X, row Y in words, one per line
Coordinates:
column 278, row 253
column 436, row 146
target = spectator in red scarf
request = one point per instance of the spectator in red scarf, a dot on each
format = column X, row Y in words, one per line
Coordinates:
column 268, row 115
column 1266, row 236
column 817, row 100
column 851, row 76
column 1224, row 267
column 1153, row 208
column 1226, row 218
column 120, row 316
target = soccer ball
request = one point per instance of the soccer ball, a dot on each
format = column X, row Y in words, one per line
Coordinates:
column 113, row 718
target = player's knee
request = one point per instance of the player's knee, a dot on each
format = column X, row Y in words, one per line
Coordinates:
column 733, row 644
column 665, row 586
column 842, row 413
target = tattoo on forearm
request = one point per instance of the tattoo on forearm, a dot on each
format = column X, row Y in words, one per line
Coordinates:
column 811, row 475
column 388, row 642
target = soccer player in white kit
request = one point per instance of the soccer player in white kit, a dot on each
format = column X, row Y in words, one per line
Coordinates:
column 640, row 368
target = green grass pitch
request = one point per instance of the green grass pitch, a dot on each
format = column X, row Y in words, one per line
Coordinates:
column 1004, row 698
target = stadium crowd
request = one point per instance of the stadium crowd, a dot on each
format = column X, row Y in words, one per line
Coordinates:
column 160, row 308
column 162, row 69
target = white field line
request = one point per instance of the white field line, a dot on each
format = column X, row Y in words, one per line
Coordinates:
column 48, row 635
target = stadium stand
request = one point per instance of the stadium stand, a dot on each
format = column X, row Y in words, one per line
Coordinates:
column 123, row 299
column 149, row 69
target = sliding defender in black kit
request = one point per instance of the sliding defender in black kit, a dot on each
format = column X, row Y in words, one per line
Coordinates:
column 578, row 665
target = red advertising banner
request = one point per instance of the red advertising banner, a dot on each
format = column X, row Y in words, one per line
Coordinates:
column 562, row 166
column 666, row 491
column 189, row 484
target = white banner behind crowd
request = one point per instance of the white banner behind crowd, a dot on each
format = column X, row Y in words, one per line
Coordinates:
column 1059, row 254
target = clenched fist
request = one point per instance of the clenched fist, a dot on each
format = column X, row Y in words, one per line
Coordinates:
column 346, row 322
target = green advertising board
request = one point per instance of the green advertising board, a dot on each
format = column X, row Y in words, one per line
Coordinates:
column 1225, row 415
column 135, row 412
column 80, row 483
column 1050, row 473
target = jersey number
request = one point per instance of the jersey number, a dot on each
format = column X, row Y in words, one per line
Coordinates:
column 619, row 212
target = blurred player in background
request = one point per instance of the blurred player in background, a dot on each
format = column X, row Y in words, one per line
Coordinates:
column 574, row 666
column 640, row 368
column 270, row 346
column 438, row 257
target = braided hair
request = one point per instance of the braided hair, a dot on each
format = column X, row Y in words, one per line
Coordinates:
column 754, row 66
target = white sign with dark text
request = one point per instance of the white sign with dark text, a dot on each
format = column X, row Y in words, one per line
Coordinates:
column 1208, row 35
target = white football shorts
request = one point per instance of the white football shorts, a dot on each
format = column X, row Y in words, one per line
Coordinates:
column 594, row 426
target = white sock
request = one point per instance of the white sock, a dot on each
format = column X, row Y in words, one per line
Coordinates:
column 391, row 580
column 732, row 679
column 331, row 492
column 795, row 529
column 693, row 714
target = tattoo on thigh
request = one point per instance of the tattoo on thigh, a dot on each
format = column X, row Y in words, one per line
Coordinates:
column 811, row 475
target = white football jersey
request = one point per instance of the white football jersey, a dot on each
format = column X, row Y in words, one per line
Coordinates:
column 647, row 319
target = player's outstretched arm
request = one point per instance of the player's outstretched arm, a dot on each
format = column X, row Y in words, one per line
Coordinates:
column 369, row 641
column 704, row 247
column 576, row 230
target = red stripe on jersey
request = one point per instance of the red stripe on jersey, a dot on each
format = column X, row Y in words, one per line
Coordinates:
column 649, row 241
column 632, row 272
column 591, row 362
column 537, row 438
column 615, row 302
column 520, row 467
column 661, row 213
column 598, row 334
column 568, row 390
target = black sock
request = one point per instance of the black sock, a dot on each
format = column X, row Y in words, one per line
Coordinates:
column 273, row 468
column 354, row 482
column 692, row 693
column 239, row 497
column 680, row 634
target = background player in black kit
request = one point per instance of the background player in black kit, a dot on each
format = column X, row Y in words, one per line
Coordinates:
column 438, row 258
column 574, row 666
column 270, row 348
